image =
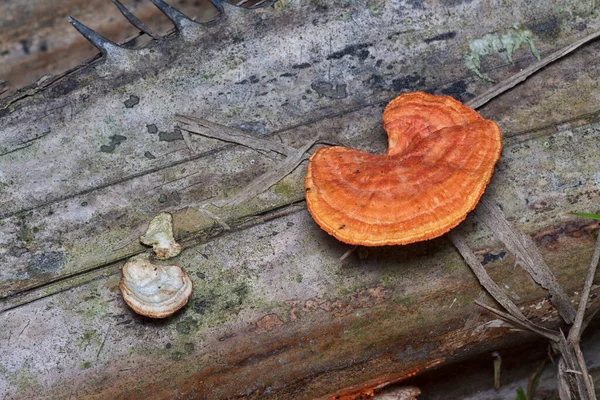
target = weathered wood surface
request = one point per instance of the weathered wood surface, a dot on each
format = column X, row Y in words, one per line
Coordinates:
column 87, row 162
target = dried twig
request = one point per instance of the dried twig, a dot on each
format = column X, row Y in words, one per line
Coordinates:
column 483, row 277
column 527, row 254
column 268, row 179
column 575, row 332
column 564, row 391
column 531, row 260
column 210, row 215
column 528, row 326
column 573, row 376
column 227, row 134
column 574, row 337
column 188, row 141
column 347, row 253
column 263, row 182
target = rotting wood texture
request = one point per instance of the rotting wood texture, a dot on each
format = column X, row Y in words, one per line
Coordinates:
column 86, row 162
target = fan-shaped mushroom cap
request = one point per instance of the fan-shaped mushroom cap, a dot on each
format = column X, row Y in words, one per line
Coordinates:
column 153, row 290
column 441, row 156
column 160, row 236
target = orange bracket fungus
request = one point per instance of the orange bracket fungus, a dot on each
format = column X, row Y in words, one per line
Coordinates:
column 441, row 155
column 153, row 290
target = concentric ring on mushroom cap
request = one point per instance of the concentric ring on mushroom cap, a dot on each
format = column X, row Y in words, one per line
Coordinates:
column 153, row 290
column 441, row 156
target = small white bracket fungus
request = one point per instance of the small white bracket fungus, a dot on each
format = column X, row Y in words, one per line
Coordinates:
column 153, row 290
column 160, row 236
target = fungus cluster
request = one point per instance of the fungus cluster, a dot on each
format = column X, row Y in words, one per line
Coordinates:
column 441, row 155
column 155, row 290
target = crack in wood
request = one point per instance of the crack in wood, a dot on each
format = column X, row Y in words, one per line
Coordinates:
column 112, row 267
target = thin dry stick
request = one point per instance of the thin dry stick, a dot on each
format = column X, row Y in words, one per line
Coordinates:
column 564, row 391
column 521, row 324
column 210, row 215
column 571, row 356
column 213, row 130
column 268, row 179
column 514, row 80
column 575, row 332
column 483, row 277
column 188, row 142
column 570, row 362
column 347, row 253
column 587, row 379
column 528, row 255
column 227, row 134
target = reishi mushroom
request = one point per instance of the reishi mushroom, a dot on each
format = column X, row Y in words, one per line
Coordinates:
column 441, row 155
column 153, row 290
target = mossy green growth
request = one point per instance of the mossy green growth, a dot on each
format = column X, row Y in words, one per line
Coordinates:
column 26, row 233
column 207, row 75
column 219, row 300
column 88, row 252
column 288, row 189
column 22, row 379
column 281, row 5
column 376, row 8
column 217, row 297
column 92, row 306
column 5, row 184
column 88, row 338
column 189, row 347
column 85, row 365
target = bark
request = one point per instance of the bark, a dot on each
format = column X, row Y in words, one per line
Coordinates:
column 87, row 159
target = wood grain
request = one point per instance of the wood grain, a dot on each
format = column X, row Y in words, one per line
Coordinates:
column 88, row 160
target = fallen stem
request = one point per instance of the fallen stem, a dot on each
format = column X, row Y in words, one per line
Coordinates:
column 483, row 277
column 213, row 130
column 527, row 255
column 576, row 329
column 520, row 324
column 268, row 179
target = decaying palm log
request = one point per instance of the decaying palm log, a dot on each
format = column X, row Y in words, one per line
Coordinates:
column 88, row 158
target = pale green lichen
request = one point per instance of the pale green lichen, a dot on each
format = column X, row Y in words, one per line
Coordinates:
column 504, row 45
column 281, row 5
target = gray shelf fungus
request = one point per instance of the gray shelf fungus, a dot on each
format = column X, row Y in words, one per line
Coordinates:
column 160, row 236
column 153, row 290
